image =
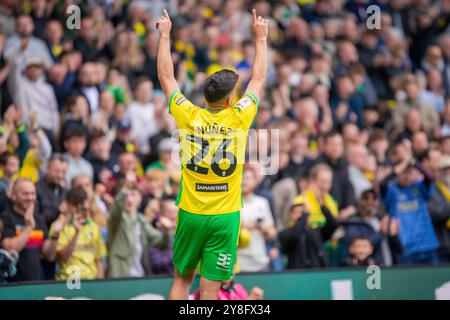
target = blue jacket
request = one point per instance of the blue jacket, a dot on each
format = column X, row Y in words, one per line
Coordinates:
column 409, row 206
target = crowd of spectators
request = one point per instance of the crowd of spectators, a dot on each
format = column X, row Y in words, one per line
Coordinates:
column 88, row 180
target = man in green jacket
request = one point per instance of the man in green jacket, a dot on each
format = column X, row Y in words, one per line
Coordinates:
column 131, row 235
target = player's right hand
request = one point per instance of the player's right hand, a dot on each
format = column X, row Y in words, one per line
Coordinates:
column 29, row 217
column 164, row 25
column 164, row 224
column 260, row 26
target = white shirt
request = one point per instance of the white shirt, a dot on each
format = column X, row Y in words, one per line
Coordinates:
column 136, row 269
column 358, row 180
column 92, row 95
column 254, row 257
column 445, row 130
column 36, row 49
column 78, row 167
column 143, row 124
column 38, row 95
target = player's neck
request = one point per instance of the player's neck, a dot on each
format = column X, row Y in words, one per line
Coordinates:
column 215, row 109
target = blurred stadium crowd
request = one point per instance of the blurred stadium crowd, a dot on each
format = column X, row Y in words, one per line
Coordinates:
column 87, row 185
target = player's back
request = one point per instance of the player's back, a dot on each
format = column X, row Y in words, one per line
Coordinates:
column 213, row 153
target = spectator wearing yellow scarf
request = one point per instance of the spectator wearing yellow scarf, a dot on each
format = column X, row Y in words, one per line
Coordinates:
column 317, row 197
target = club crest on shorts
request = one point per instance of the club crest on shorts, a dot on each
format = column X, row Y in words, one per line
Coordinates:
column 223, row 261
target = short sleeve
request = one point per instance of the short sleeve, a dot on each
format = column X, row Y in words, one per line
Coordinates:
column 40, row 224
column 9, row 229
column 64, row 238
column 100, row 248
column 180, row 108
column 247, row 108
column 427, row 191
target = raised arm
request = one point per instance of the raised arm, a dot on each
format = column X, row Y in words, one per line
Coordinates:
column 164, row 60
column 259, row 71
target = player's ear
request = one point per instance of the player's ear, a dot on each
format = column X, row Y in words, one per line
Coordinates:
column 230, row 100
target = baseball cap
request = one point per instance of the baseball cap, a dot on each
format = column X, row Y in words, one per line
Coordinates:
column 124, row 124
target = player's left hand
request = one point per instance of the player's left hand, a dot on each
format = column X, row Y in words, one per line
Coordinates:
column 260, row 26
column 164, row 25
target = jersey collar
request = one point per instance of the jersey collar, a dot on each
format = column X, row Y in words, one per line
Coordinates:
column 215, row 111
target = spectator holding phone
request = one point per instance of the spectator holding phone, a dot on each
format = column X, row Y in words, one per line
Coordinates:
column 80, row 245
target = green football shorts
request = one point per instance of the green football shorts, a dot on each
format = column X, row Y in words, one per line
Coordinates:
column 208, row 239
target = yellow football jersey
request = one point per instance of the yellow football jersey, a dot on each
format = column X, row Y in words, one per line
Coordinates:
column 212, row 153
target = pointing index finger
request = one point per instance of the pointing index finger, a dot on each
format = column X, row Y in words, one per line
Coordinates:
column 254, row 14
column 166, row 14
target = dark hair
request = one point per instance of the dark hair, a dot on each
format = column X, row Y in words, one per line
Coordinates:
column 356, row 68
column 57, row 157
column 247, row 42
column 369, row 191
column 74, row 131
column 70, row 102
column 359, row 237
column 76, row 196
column 219, row 85
column 5, row 157
column 20, row 14
column 317, row 56
column 422, row 155
column 340, row 76
column 331, row 134
column 394, row 145
column 125, row 152
column 104, row 61
column 377, row 135
column 97, row 134
column 141, row 80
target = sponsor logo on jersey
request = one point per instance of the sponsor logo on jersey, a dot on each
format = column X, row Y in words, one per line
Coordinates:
column 206, row 187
